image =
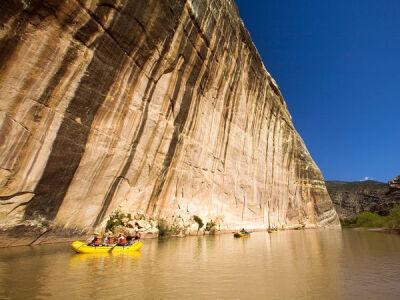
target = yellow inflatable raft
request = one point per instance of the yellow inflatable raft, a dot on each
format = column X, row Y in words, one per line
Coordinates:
column 241, row 234
column 81, row 247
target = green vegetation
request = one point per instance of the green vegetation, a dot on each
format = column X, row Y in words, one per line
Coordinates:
column 199, row 221
column 394, row 216
column 117, row 218
column 210, row 226
column 336, row 186
column 164, row 229
column 350, row 222
column 370, row 219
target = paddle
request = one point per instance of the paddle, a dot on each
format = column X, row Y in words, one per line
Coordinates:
column 112, row 248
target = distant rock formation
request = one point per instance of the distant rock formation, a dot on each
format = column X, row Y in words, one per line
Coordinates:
column 157, row 107
column 352, row 198
column 394, row 184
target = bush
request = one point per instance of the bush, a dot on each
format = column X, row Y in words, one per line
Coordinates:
column 210, row 225
column 394, row 216
column 116, row 219
column 162, row 227
column 370, row 219
column 350, row 222
column 165, row 229
column 199, row 221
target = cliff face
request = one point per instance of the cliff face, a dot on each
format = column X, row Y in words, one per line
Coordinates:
column 157, row 107
column 352, row 198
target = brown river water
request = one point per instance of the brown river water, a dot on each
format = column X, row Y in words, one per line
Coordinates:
column 310, row 264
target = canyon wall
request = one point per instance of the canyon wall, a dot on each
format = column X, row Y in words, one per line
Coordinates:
column 158, row 107
column 352, row 198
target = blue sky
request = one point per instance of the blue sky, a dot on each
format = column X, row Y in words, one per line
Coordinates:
column 337, row 64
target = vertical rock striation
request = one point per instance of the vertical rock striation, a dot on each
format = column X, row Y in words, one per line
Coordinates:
column 157, row 107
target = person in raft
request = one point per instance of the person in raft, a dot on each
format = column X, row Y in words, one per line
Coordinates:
column 121, row 240
column 244, row 231
column 96, row 240
column 132, row 240
column 110, row 239
column 137, row 237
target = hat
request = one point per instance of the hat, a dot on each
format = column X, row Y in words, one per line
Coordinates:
column 109, row 232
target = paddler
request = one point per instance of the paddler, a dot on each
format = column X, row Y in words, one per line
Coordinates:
column 121, row 240
column 109, row 240
column 134, row 239
column 96, row 240
column 244, row 231
column 137, row 237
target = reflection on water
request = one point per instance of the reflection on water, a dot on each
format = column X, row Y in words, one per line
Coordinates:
column 312, row 264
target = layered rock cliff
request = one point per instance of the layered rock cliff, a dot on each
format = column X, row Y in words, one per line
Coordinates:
column 158, row 107
column 352, row 198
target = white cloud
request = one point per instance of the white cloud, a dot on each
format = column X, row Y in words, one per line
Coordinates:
column 367, row 178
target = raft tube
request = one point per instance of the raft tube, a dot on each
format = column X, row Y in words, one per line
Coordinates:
column 241, row 234
column 81, row 247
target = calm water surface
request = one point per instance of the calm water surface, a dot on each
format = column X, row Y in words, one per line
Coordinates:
column 312, row 264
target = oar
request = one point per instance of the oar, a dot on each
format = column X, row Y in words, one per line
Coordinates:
column 112, row 248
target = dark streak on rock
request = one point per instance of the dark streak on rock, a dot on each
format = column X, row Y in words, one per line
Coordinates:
column 69, row 58
column 179, row 125
column 148, row 96
column 69, row 145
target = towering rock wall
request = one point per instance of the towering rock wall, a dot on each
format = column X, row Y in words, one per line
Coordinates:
column 157, row 107
column 352, row 198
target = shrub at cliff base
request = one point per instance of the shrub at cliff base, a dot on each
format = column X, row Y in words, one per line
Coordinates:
column 162, row 227
column 210, row 226
column 199, row 221
column 118, row 218
column 165, row 229
column 370, row 219
column 349, row 222
column 394, row 216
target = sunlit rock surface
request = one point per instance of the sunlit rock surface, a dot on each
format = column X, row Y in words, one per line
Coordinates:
column 158, row 107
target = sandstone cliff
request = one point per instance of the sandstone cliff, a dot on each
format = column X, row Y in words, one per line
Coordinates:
column 352, row 198
column 157, row 107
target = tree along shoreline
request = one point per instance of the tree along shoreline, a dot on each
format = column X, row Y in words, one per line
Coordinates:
column 369, row 219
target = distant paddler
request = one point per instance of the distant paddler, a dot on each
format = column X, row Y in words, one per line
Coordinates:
column 244, row 231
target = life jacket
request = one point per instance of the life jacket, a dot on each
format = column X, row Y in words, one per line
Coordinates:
column 111, row 239
column 122, row 240
column 97, row 241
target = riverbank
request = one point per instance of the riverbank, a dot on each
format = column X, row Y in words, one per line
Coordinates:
column 30, row 235
column 24, row 235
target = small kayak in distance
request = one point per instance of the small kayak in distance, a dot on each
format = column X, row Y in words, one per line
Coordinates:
column 241, row 234
column 81, row 247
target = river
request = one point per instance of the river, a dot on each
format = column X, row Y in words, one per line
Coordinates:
column 308, row 264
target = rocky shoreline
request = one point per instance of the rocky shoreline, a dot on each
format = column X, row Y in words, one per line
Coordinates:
column 25, row 235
